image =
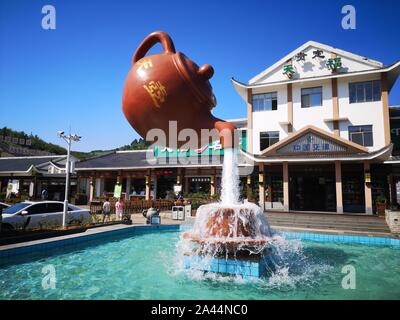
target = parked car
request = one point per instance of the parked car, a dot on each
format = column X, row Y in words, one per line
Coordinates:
column 42, row 215
column 4, row 205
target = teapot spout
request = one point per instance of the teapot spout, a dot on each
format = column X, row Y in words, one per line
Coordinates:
column 226, row 132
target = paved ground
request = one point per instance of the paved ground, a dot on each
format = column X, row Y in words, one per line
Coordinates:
column 329, row 223
column 311, row 222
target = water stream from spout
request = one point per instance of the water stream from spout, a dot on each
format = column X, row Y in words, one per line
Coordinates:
column 230, row 178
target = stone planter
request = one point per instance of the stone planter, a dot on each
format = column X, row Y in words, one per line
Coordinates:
column 393, row 221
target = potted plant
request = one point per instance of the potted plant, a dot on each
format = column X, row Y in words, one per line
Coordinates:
column 380, row 205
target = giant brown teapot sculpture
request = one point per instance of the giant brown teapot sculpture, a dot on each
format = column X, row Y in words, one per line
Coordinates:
column 168, row 87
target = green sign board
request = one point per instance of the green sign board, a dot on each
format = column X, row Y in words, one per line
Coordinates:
column 212, row 149
column 117, row 191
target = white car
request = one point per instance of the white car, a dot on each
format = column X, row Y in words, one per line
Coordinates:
column 41, row 215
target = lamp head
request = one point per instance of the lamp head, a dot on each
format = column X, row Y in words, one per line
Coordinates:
column 75, row 137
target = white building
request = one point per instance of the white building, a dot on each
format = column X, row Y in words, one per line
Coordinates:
column 318, row 127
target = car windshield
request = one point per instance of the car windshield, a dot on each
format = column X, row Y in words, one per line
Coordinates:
column 17, row 207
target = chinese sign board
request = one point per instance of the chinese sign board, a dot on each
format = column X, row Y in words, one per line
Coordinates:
column 15, row 140
column 334, row 63
column 312, row 143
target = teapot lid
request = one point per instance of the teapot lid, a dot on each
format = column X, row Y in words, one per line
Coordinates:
column 197, row 78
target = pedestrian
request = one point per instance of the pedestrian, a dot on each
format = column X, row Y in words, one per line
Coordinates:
column 106, row 210
column 119, row 209
column 45, row 194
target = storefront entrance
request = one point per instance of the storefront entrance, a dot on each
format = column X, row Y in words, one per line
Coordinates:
column 312, row 188
column 353, row 188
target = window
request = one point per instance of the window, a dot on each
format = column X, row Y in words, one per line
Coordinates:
column 16, row 207
column 55, row 207
column 38, row 208
column 311, row 97
column 267, row 139
column 265, row 102
column 361, row 135
column 244, row 140
column 365, row 91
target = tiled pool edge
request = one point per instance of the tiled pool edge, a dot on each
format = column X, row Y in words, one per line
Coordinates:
column 322, row 237
column 56, row 242
column 319, row 237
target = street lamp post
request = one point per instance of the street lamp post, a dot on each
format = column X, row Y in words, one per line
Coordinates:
column 68, row 139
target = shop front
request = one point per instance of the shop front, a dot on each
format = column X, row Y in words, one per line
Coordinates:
column 312, row 188
column 315, row 171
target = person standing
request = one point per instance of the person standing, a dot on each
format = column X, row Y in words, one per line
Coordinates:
column 119, row 209
column 45, row 194
column 106, row 210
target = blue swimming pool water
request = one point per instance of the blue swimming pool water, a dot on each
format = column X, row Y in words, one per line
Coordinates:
column 147, row 266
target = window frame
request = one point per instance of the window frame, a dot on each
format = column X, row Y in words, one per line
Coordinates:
column 265, row 98
column 269, row 138
column 354, row 87
column 362, row 133
column 309, row 95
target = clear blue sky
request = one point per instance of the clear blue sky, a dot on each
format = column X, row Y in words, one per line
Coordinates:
column 74, row 75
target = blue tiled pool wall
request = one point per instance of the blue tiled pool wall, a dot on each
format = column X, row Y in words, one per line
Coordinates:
column 41, row 247
column 374, row 241
column 245, row 269
column 379, row 241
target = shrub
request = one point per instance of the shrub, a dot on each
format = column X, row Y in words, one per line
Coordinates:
column 380, row 199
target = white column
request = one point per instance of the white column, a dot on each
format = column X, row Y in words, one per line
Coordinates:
column 285, row 186
column 91, row 188
column 148, row 182
column 367, row 190
column 339, row 198
column 98, row 187
column 261, row 186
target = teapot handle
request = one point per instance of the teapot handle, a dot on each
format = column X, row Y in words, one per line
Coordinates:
column 151, row 40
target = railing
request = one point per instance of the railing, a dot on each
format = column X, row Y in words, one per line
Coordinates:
column 130, row 207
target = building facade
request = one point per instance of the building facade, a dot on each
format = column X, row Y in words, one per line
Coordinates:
column 318, row 126
column 29, row 175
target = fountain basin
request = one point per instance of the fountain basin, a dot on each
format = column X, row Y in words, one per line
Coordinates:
column 230, row 228
column 251, row 268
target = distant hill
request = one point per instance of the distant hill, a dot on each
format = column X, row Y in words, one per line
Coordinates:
column 19, row 143
column 137, row 144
